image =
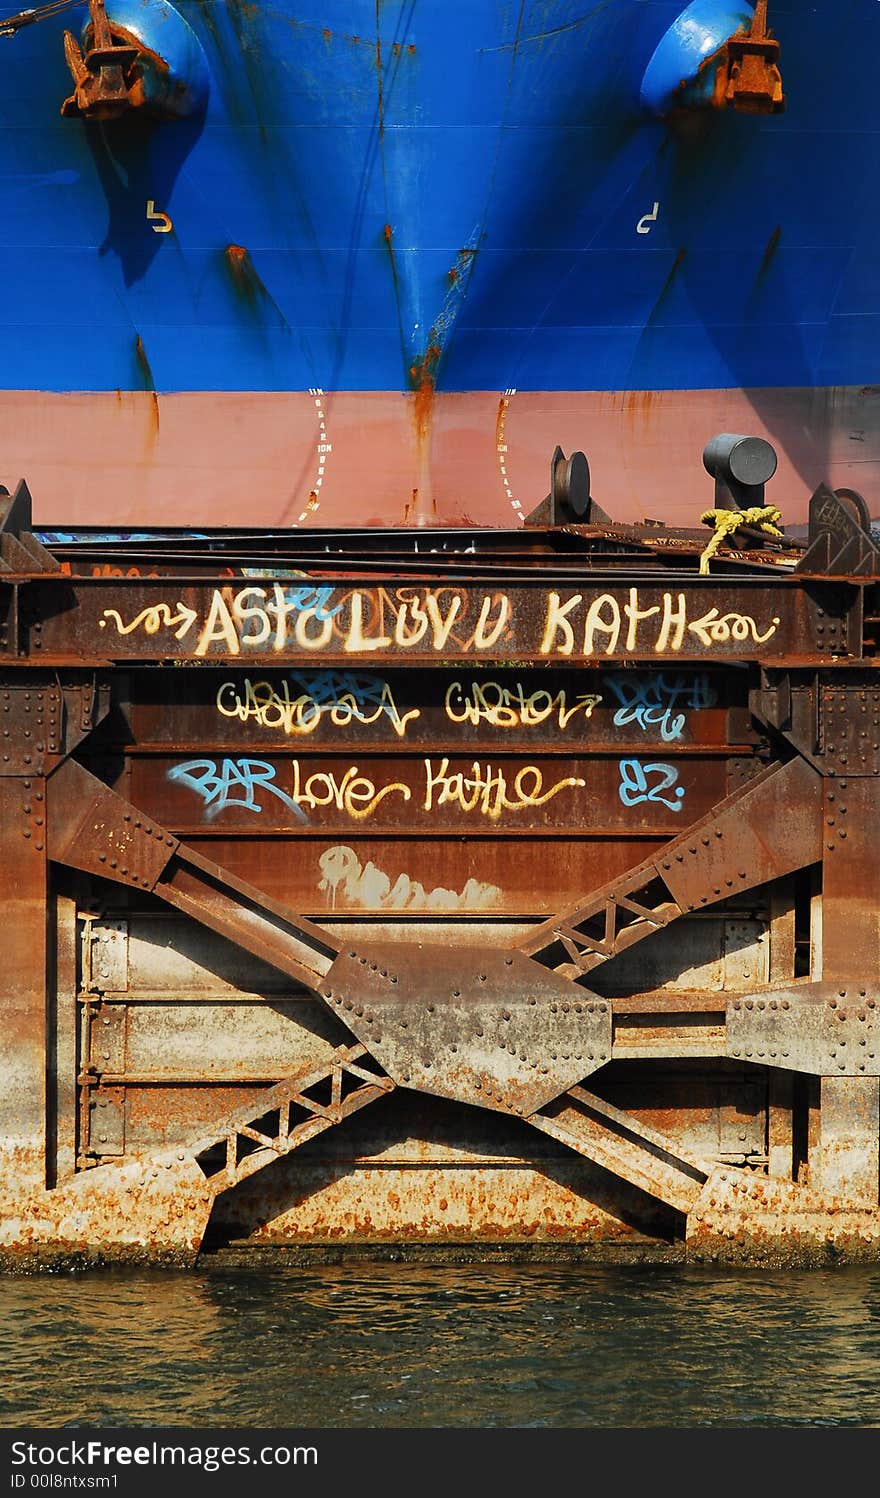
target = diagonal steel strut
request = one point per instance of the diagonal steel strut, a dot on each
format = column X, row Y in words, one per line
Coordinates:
column 766, row 828
column 159, row 1202
column 769, row 827
column 287, row 1116
column 94, row 829
column 623, row 1145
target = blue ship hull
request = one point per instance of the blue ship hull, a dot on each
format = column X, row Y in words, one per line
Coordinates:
column 396, row 252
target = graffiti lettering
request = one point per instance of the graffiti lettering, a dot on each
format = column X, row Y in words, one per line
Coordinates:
column 275, row 617
column 234, row 782
column 649, row 701
column 154, row 618
column 353, row 794
column 511, row 707
column 351, row 883
column 713, row 629
column 237, row 782
column 488, row 791
column 484, row 791
column 107, row 569
column 640, row 782
column 343, row 698
column 257, row 616
column 603, row 626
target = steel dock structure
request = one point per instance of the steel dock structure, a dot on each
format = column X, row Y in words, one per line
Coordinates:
column 465, row 889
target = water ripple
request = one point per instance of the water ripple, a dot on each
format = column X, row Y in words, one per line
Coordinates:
column 480, row 1346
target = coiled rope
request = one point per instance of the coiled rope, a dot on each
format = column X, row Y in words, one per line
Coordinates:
column 762, row 517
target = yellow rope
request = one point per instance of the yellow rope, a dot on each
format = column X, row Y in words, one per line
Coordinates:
column 764, row 517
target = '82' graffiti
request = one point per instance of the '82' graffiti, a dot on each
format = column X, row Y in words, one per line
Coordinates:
column 650, row 782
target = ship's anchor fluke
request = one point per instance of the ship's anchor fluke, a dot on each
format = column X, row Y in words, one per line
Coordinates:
column 749, row 78
column 107, row 77
column 709, row 59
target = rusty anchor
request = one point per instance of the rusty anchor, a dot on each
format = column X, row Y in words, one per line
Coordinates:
column 107, row 78
column 749, row 78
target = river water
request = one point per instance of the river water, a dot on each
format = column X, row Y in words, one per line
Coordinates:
column 402, row 1345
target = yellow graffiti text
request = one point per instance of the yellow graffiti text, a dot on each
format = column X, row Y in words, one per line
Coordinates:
column 713, row 629
column 351, row 793
column 609, row 625
column 157, row 616
column 272, row 707
column 511, row 707
column 488, row 791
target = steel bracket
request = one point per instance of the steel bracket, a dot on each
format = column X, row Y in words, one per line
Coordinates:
column 108, row 957
column 832, row 718
column 849, row 727
column 827, row 1029
column 20, row 551
column 107, row 1039
column 94, row 829
column 840, row 540
column 31, row 724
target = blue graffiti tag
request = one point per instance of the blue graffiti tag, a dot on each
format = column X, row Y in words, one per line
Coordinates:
column 650, row 701
column 635, row 784
column 234, row 782
column 350, row 694
column 326, row 687
column 313, row 601
column 306, row 600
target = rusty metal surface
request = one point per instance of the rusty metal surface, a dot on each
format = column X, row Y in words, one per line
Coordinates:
column 823, row 1028
column 480, row 1026
column 365, row 620
column 769, row 825
column 750, row 79
column 23, row 1037
column 613, row 1139
column 560, row 849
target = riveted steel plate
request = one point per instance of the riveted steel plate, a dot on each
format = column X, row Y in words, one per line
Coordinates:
column 109, row 956
column 107, row 1038
column 479, row 1025
column 107, row 1122
column 31, row 724
column 849, row 726
column 96, row 830
column 830, row 1030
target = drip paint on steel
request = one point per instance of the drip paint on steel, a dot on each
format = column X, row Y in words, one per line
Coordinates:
column 442, row 888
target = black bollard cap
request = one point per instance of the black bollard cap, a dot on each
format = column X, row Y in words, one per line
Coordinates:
column 745, row 460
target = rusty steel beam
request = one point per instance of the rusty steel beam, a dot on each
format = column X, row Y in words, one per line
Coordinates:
column 774, row 620
column 295, row 740
column 289, row 1115
column 768, row 827
column 848, row 1157
column 23, row 1034
column 622, row 1145
column 98, row 831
